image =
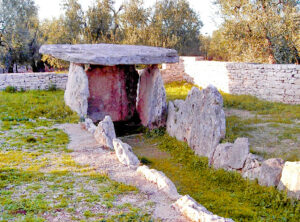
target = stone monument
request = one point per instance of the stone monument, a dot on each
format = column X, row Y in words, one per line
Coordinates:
column 103, row 80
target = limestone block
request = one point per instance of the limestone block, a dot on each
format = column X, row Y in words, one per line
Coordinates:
column 77, row 90
column 125, row 154
column 151, row 100
column 113, row 92
column 270, row 172
column 199, row 120
column 159, row 178
column 290, row 179
column 90, row 126
column 111, row 54
column 231, row 156
column 105, row 133
column 196, row 212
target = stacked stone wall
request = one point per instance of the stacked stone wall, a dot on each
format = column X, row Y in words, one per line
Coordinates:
column 280, row 83
column 33, row 81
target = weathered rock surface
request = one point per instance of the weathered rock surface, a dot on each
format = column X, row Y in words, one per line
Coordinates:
column 125, row 154
column 231, row 156
column 199, row 120
column 113, row 92
column 151, row 101
column 105, row 133
column 290, row 179
column 196, row 212
column 77, row 90
column 111, row 54
column 90, row 126
column 159, row 178
column 270, row 172
column 251, row 169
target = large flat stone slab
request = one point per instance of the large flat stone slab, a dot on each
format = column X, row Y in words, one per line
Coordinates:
column 110, row 54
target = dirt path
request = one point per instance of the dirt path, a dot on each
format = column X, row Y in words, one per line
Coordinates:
column 87, row 151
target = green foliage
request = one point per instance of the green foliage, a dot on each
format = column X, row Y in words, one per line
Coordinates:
column 224, row 193
column 18, row 33
column 263, row 31
column 10, row 89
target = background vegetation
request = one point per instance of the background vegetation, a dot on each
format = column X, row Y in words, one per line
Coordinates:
column 252, row 31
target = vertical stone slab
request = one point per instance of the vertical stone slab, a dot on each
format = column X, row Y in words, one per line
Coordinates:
column 151, row 102
column 113, row 92
column 77, row 90
column 199, row 120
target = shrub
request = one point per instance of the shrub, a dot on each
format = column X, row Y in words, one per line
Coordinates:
column 52, row 87
column 10, row 89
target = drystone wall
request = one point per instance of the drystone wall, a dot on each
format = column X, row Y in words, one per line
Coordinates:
column 280, row 83
column 33, row 81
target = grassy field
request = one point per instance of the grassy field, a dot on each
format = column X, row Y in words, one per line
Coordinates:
column 39, row 179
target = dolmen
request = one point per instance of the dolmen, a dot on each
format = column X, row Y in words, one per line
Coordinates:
column 103, row 81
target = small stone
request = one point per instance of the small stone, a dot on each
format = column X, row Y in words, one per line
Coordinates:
column 231, row 156
column 90, row 126
column 125, row 154
column 196, row 212
column 105, row 133
column 159, row 178
column 290, row 179
column 270, row 172
column 251, row 169
column 151, row 102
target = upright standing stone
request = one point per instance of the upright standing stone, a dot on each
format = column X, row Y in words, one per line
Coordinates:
column 199, row 120
column 151, row 102
column 113, row 92
column 77, row 90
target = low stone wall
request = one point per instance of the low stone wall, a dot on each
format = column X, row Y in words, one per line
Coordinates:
column 33, row 81
column 280, row 83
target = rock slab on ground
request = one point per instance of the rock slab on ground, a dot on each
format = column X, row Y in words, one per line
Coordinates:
column 105, row 133
column 196, row 212
column 77, row 90
column 125, row 154
column 270, row 172
column 290, row 179
column 159, row 178
column 231, row 156
column 199, row 120
column 110, row 54
column 151, row 102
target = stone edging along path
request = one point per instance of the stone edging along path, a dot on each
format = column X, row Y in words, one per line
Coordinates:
column 180, row 205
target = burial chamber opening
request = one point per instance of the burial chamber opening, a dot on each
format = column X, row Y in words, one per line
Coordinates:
column 113, row 92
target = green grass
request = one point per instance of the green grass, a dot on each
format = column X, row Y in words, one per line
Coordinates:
column 37, row 174
column 224, row 193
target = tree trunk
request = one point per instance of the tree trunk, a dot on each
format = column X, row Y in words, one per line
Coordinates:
column 272, row 59
column 11, row 67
